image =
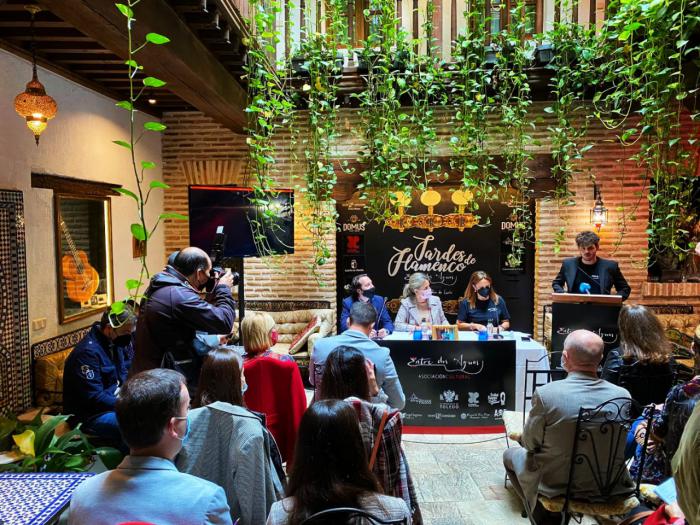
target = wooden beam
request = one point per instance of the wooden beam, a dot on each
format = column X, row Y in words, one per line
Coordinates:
column 70, row 75
column 190, row 69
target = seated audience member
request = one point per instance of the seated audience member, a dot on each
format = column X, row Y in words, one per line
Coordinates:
column 360, row 322
column 481, row 305
column 418, row 304
column 686, row 469
column 362, row 289
column 349, row 376
column 146, row 487
column 95, row 370
column 331, row 470
column 541, row 465
column 259, row 336
column 275, row 389
column 222, row 428
column 643, row 363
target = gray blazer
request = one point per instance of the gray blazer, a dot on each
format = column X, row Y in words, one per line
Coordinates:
column 548, row 437
column 409, row 316
column 227, row 446
column 387, row 378
column 150, row 489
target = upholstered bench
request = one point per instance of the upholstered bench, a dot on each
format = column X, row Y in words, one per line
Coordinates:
column 48, row 358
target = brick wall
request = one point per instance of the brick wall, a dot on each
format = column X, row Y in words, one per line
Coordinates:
column 197, row 150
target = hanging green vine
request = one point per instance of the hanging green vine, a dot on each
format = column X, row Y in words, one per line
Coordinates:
column 472, row 103
column 141, row 194
column 513, row 98
column 385, row 128
column 646, row 44
column 269, row 111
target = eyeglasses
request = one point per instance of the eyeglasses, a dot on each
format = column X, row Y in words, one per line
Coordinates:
column 127, row 316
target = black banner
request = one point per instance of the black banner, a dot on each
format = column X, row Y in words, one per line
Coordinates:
column 455, row 383
column 598, row 318
column 439, row 242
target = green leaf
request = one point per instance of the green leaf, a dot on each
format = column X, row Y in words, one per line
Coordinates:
column 138, row 232
column 117, row 307
column 111, row 457
column 132, row 284
column 171, row 215
column 125, row 10
column 125, row 104
column 126, row 192
column 158, row 184
column 154, row 126
column 123, row 144
column 46, row 432
column 147, row 164
column 153, row 82
column 156, row 38
column 133, row 64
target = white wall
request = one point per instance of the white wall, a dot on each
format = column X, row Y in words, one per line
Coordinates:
column 77, row 143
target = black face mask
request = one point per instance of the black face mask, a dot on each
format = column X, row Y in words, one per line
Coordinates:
column 484, row 292
column 369, row 292
column 122, row 340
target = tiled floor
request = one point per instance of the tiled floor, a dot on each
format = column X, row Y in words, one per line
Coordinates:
column 459, row 480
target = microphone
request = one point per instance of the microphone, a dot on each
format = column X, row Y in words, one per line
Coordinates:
column 379, row 315
column 584, row 288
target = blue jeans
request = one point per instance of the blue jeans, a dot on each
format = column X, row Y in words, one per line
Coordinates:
column 105, row 426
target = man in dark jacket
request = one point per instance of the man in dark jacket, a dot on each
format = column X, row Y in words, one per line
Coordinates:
column 174, row 311
column 95, row 370
column 590, row 273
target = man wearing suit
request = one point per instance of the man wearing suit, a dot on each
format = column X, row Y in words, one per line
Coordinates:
column 360, row 322
column 362, row 289
column 152, row 414
column 541, row 465
column 589, row 273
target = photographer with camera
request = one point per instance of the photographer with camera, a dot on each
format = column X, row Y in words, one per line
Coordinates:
column 174, row 311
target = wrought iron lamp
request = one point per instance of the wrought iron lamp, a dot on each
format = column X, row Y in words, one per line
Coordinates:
column 599, row 213
column 33, row 104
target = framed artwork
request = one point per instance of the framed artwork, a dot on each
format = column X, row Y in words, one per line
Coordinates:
column 83, row 228
column 445, row 332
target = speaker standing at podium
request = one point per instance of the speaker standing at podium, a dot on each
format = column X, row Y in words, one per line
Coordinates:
column 589, row 273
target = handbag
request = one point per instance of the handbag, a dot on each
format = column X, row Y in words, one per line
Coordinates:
column 652, row 517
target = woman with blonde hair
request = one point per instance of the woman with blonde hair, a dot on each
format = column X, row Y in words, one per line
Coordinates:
column 259, row 336
column 643, row 363
column 481, row 305
column 418, row 304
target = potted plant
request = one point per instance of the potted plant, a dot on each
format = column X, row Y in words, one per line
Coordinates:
column 37, row 447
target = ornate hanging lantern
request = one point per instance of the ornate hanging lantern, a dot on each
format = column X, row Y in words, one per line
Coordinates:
column 33, row 104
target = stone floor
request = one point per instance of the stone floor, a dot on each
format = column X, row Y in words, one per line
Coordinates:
column 459, row 480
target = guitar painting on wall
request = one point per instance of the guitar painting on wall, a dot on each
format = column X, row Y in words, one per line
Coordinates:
column 84, row 252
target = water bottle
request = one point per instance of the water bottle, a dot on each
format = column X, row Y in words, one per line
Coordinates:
column 417, row 335
column 425, row 329
column 489, row 329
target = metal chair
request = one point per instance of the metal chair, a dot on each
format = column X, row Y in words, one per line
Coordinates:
column 534, row 376
column 348, row 516
column 598, row 455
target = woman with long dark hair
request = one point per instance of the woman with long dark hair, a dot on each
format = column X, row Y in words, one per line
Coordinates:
column 222, row 428
column 348, row 375
column 331, row 469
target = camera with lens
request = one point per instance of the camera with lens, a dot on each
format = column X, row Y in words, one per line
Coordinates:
column 217, row 260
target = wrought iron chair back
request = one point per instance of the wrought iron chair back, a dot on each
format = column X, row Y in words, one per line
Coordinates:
column 599, row 445
column 678, row 415
column 349, row 516
column 536, row 376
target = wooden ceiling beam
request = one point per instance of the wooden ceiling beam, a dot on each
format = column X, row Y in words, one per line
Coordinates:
column 190, row 69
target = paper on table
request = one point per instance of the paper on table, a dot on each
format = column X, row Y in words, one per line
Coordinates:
column 667, row 491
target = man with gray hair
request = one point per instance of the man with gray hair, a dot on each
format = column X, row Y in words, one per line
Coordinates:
column 360, row 324
column 541, row 465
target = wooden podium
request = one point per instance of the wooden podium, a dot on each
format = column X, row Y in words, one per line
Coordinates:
column 574, row 311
